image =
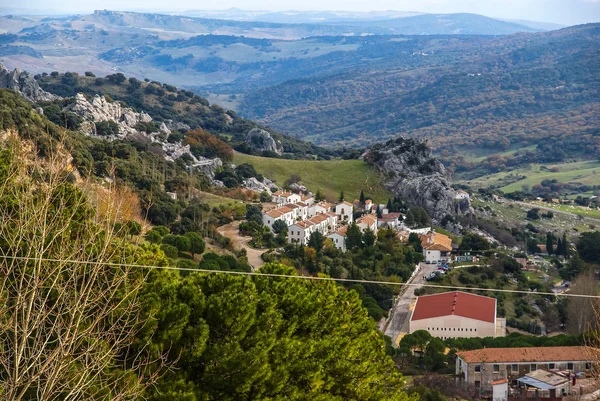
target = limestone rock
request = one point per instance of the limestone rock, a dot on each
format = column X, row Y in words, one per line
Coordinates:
column 412, row 173
column 99, row 109
column 258, row 186
column 261, row 140
column 24, row 83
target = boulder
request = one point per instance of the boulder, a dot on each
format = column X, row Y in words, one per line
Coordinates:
column 261, row 140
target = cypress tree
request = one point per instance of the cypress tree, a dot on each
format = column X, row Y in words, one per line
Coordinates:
column 362, row 198
column 549, row 243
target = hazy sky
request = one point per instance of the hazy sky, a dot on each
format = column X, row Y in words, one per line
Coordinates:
column 566, row 12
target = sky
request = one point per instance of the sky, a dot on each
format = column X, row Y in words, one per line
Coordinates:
column 566, row 12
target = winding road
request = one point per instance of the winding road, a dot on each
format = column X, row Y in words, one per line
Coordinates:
column 232, row 232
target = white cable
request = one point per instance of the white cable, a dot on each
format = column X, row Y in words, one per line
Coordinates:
column 346, row 280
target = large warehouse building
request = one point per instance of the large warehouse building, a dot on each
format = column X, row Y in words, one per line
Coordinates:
column 457, row 314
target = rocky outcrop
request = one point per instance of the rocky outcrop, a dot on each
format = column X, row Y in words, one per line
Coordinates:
column 261, row 140
column 24, row 83
column 98, row 109
column 412, row 173
column 265, row 186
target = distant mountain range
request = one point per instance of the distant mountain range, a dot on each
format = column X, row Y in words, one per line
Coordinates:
column 461, row 80
column 337, row 17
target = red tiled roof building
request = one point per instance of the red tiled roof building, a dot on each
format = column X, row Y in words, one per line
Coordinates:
column 457, row 314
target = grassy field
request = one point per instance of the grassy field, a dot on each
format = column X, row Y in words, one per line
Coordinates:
column 585, row 172
column 330, row 177
column 514, row 215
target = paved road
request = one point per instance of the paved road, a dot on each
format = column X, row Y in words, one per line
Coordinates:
column 398, row 320
column 232, row 232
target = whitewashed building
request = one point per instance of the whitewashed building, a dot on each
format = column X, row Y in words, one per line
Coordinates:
column 339, row 238
column 344, row 210
column 283, row 198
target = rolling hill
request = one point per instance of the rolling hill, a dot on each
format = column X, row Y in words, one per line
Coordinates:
column 489, row 93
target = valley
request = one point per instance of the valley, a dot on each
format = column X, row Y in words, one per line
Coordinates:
column 297, row 205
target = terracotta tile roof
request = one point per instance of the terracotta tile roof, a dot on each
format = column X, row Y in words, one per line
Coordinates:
column 455, row 303
column 303, row 224
column 367, row 219
column 390, row 216
column 318, row 219
column 275, row 213
column 301, row 204
column 345, row 203
column 436, row 242
column 292, row 206
column 531, row 354
column 342, row 231
column 326, row 205
column 306, row 197
column 501, row 381
column 332, row 214
column 285, row 209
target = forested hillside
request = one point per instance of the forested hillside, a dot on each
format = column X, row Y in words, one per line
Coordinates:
column 75, row 268
column 486, row 95
column 166, row 102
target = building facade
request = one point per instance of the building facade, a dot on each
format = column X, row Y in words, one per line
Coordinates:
column 483, row 366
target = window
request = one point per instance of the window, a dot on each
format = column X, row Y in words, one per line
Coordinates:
column 570, row 366
column 588, row 365
column 551, row 366
column 496, row 368
column 477, row 368
column 477, row 384
column 532, row 367
column 514, row 367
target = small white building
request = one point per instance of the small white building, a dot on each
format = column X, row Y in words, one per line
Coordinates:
column 500, row 390
column 392, row 220
column 339, row 238
column 460, row 194
column 368, row 221
column 283, row 198
column 368, row 205
column 284, row 213
column 308, row 199
column 344, row 210
column 436, row 247
column 320, row 208
column 299, row 233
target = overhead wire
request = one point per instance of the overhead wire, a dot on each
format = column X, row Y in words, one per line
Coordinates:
column 290, row 276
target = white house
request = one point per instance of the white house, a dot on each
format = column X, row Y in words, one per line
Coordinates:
column 300, row 232
column 308, row 199
column 390, row 220
column 460, row 194
column 332, row 220
column 368, row 205
column 283, row 198
column 320, row 208
column 284, row 213
column 368, row 221
column 436, row 247
column 339, row 238
column 344, row 210
column 321, row 223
